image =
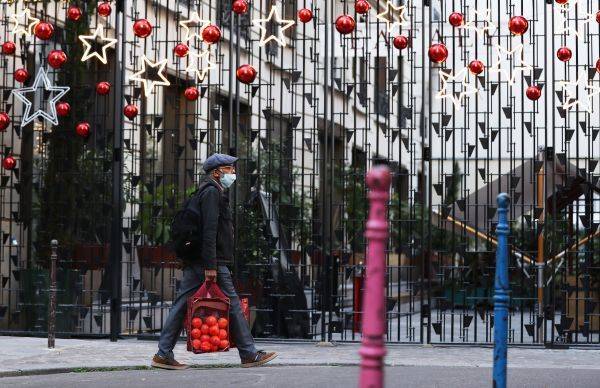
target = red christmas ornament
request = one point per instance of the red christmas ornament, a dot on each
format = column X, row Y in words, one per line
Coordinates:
column 130, row 111
column 191, row 93
column 476, row 67
column 438, row 52
column 57, row 58
column 9, row 163
column 598, row 65
column 4, row 121
column 63, row 109
column 456, row 19
column 104, row 9
column 345, row 24
column 518, row 25
column 21, row 75
column 44, row 30
column 564, row 54
column 211, row 34
column 103, row 88
column 533, row 92
column 362, row 6
column 562, row 1
column 240, row 6
column 598, row 17
column 246, row 74
column 401, row 42
column 181, row 50
column 142, row 28
column 74, row 13
column 8, row 48
column 83, row 129
column 305, row 15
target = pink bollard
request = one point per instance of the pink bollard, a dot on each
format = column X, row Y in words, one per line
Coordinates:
column 372, row 349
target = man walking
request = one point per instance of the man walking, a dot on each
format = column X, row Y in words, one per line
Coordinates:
column 212, row 203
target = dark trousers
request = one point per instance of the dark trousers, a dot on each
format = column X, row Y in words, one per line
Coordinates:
column 193, row 277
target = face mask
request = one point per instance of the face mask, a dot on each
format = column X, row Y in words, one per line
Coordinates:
column 227, row 180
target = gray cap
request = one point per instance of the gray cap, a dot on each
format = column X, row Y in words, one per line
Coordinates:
column 218, row 160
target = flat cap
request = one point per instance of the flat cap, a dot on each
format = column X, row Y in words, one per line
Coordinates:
column 218, row 160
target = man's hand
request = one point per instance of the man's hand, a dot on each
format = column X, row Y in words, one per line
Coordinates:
column 210, row 274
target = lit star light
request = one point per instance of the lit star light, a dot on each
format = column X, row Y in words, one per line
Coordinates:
column 570, row 90
column 265, row 36
column 193, row 27
column 461, row 77
column 519, row 66
column 394, row 16
column 29, row 23
column 562, row 22
column 195, row 65
column 56, row 91
column 149, row 73
column 480, row 17
column 90, row 40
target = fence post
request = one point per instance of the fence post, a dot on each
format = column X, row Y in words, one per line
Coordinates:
column 372, row 349
column 52, row 296
column 501, row 293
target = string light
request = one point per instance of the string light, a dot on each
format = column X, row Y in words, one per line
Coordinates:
column 150, row 84
column 394, row 16
column 27, row 27
column 88, row 41
column 521, row 66
column 200, row 24
column 570, row 90
column 273, row 17
column 193, row 66
column 466, row 88
column 483, row 16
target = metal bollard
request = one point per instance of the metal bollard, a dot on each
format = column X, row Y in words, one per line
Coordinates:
column 372, row 349
column 501, row 293
column 52, row 307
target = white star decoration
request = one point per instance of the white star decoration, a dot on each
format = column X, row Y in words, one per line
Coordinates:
column 97, row 35
column 563, row 25
column 20, row 94
column 519, row 66
column 195, row 65
column 570, row 92
column 273, row 17
column 483, row 16
column 197, row 24
column 149, row 84
column 25, row 28
column 393, row 16
column 466, row 88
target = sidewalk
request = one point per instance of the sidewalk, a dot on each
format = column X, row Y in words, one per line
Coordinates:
column 26, row 355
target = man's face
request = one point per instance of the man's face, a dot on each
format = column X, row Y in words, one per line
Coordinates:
column 223, row 170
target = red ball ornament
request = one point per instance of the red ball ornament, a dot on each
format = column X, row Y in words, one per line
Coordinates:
column 345, row 24
column 598, row 65
column 130, row 111
column 181, row 50
column 564, row 54
column 44, row 30
column 8, row 48
column 518, row 25
column 9, row 163
column 240, row 6
column 83, row 129
column 63, row 109
column 305, row 15
column 4, row 121
column 246, row 74
column 438, row 52
column 103, row 88
column 562, row 2
column 211, row 34
column 362, row 6
column 57, row 58
column 598, row 17
column 191, row 93
column 533, row 92
column 401, row 42
column 456, row 19
column 476, row 67
column 21, row 75
column 74, row 13
column 142, row 28
column 104, row 9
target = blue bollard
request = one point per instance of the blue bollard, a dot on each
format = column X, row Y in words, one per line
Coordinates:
column 501, row 293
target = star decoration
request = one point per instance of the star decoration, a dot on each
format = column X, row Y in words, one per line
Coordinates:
column 570, row 90
column 56, row 91
column 393, row 16
column 90, row 40
column 25, row 28
column 563, row 25
column 483, row 16
column 193, row 66
column 193, row 27
column 265, row 36
column 520, row 65
column 149, row 74
column 461, row 77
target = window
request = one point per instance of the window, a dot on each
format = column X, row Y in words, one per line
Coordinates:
column 381, row 96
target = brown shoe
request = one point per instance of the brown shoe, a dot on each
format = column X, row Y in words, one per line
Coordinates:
column 165, row 363
column 259, row 359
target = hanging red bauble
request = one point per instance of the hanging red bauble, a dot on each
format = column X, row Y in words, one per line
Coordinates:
column 57, row 58
column 562, row 1
column 4, row 121
column 21, row 75
column 598, row 65
column 305, row 15
column 211, row 34
column 476, row 67
column 345, row 24
column 63, row 109
column 246, row 74
column 104, row 9
column 598, row 17
column 142, row 28
column 191, row 93
column 401, row 42
column 130, row 111
column 564, row 54
column 362, row 6
column 181, row 50
column 83, row 129
column 240, row 6
column 44, row 30
column 8, row 48
column 9, row 163
column 438, row 52
column 533, row 92
column 456, row 19
column 74, row 13
column 518, row 25
column 103, row 88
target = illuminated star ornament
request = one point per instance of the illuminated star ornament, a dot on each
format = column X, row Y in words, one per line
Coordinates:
column 90, row 42
column 41, row 83
column 562, row 23
column 461, row 77
column 480, row 17
column 195, row 65
column 519, row 66
column 24, row 23
column 151, row 75
column 193, row 27
column 274, row 18
column 393, row 16
column 571, row 91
